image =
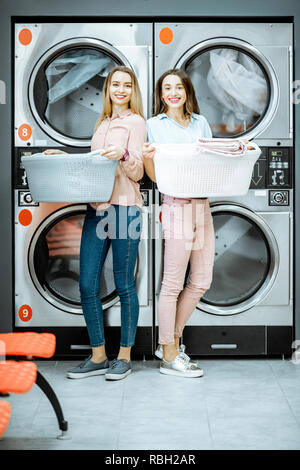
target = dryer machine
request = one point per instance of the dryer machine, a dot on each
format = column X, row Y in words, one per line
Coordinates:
column 242, row 74
column 60, row 70
column 47, row 298
column 59, row 75
column 248, row 309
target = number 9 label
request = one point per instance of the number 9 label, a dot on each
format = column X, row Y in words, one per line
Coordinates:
column 25, row 313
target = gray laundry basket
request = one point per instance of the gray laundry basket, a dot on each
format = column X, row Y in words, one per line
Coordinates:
column 70, row 178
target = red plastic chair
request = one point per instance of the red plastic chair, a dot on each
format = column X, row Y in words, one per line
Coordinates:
column 17, row 377
column 27, row 346
column 5, row 410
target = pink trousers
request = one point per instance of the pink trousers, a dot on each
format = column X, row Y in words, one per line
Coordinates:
column 188, row 238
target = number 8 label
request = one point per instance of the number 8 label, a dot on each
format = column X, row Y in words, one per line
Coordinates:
column 24, row 132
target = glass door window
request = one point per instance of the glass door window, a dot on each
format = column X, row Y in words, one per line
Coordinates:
column 68, row 91
column 245, row 263
column 242, row 260
column 56, row 266
column 232, row 89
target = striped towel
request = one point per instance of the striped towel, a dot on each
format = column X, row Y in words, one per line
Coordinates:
column 230, row 147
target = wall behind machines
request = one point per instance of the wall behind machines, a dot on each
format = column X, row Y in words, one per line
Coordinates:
column 134, row 10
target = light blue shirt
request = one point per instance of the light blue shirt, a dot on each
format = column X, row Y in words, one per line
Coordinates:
column 164, row 130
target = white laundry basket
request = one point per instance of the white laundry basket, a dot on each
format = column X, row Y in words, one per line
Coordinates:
column 85, row 177
column 182, row 170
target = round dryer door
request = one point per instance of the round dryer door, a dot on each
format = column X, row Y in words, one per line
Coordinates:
column 65, row 88
column 54, row 261
column 246, row 261
column 236, row 86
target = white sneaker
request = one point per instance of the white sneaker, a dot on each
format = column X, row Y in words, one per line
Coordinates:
column 159, row 353
column 179, row 366
column 182, row 353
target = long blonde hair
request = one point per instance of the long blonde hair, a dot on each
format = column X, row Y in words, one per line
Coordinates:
column 135, row 103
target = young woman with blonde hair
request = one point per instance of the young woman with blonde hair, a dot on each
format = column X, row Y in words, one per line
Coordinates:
column 121, row 132
column 187, row 223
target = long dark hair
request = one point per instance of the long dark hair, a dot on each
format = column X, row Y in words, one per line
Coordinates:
column 190, row 106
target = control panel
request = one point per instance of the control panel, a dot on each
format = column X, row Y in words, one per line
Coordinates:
column 279, row 198
column 25, row 199
column 273, row 171
column 20, row 173
column 279, row 167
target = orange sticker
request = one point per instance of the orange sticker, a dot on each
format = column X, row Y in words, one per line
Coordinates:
column 25, row 313
column 25, row 36
column 160, row 216
column 166, row 35
column 24, row 132
column 25, row 217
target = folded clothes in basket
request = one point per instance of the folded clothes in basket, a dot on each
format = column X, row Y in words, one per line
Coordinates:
column 231, row 147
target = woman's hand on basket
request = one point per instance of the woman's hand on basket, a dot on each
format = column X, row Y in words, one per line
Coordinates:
column 114, row 152
column 54, row 152
column 249, row 146
column 148, row 151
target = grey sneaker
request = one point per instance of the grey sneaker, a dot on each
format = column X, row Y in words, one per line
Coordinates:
column 118, row 370
column 87, row 368
column 159, row 353
column 179, row 366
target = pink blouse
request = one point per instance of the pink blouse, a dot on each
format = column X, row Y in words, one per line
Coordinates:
column 128, row 130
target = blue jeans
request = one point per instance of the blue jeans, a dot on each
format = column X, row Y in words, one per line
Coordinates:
column 120, row 227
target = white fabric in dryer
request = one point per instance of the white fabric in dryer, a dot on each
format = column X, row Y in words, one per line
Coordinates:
column 83, row 68
column 240, row 87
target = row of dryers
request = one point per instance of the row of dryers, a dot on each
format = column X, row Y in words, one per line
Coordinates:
column 242, row 74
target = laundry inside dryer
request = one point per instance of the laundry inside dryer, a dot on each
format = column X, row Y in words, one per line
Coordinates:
column 241, row 260
column 232, row 89
column 74, row 80
column 56, row 262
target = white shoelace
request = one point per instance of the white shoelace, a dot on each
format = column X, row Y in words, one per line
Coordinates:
column 184, row 356
column 182, row 360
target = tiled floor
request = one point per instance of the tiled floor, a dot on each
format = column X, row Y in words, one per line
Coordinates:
column 238, row 404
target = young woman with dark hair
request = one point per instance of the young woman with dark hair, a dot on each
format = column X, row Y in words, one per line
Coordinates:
column 187, row 223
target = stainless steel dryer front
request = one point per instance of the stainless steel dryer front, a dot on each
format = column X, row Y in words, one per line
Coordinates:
column 249, row 306
column 242, row 74
column 60, row 70
column 47, row 297
column 243, row 77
